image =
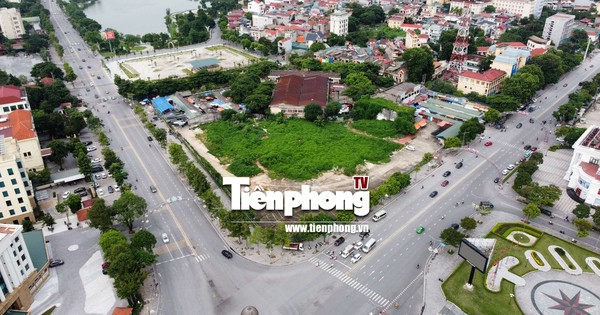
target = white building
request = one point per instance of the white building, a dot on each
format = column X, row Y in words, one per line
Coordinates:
column 558, row 27
column 15, row 187
column 256, row 7
column 11, row 23
column 583, row 173
column 534, row 42
column 338, row 23
column 473, row 7
column 12, row 98
column 261, row 21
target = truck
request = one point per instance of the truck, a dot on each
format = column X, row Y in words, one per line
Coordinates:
column 347, row 251
column 294, row 246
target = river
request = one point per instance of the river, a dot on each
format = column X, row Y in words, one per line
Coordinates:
column 136, row 17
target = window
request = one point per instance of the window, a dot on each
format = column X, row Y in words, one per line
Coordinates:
column 19, row 164
column 11, row 212
column 23, row 257
column 594, row 161
column 22, row 174
column 14, row 253
column 17, row 191
column 18, row 262
column 10, row 171
column 20, row 248
column 20, row 200
column 26, row 266
column 16, row 239
column 23, row 209
column 2, row 185
column 13, row 181
column 26, row 184
column 8, row 203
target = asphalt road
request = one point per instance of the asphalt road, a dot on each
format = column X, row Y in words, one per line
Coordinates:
column 194, row 277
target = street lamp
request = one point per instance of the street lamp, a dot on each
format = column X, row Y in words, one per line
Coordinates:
column 511, row 298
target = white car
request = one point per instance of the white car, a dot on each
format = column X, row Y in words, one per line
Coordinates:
column 165, row 238
column 358, row 245
column 96, row 160
column 410, row 148
column 356, row 258
column 66, row 194
column 104, row 175
column 117, row 188
column 100, row 192
column 505, row 172
column 91, row 148
column 510, row 167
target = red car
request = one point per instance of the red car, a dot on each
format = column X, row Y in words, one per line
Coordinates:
column 489, row 143
column 445, row 183
column 534, row 149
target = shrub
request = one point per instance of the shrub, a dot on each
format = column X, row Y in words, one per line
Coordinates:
column 560, row 251
column 244, row 166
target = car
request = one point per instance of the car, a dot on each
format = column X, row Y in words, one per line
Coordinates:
column 78, row 49
column 97, row 176
column 109, row 174
column 504, row 172
column 110, row 190
column 80, row 67
column 482, row 137
column 149, row 138
column 96, row 96
column 547, row 212
column 531, row 120
column 165, row 238
column 227, row 254
column 89, row 67
column 66, row 194
column 565, row 85
column 98, row 77
column 100, row 192
column 87, row 89
column 420, row 230
column 358, row 245
column 106, row 92
column 454, row 226
column 510, row 167
column 531, row 109
column 410, row 148
column 496, row 180
column 356, row 258
column 534, row 149
column 87, row 143
column 364, row 234
column 79, row 190
column 446, row 173
column 104, row 175
column 96, row 184
column 339, row 241
column 55, row 263
column 519, row 125
column 91, row 148
column 83, row 60
column 489, row 143
column 445, row 183
column 96, row 160
column 459, row 164
column 527, row 147
column 523, row 159
column 104, row 99
column 92, row 84
column 152, row 189
column 486, row 204
column 433, row 194
column 117, row 188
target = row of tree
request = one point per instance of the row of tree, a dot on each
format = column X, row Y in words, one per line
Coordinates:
column 577, row 100
column 190, row 28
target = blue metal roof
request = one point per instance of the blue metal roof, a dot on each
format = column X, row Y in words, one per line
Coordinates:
column 162, row 105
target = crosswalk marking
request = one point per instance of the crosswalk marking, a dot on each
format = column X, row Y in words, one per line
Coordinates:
column 354, row 284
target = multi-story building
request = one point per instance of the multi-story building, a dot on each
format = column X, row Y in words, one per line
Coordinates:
column 12, row 98
column 511, row 60
column 338, row 22
column 395, row 21
column 473, row 7
column 583, row 173
column 412, row 40
column 256, row 7
column 486, row 83
column 11, row 23
column 558, row 27
column 261, row 21
column 522, row 8
column 18, row 125
column 534, row 42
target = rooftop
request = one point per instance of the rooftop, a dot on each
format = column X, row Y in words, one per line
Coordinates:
column 20, row 122
column 488, row 76
column 301, row 91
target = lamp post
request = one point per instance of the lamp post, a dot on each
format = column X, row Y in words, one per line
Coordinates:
column 511, row 298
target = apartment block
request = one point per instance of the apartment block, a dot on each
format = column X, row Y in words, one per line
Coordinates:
column 15, row 187
column 338, row 23
column 558, row 27
column 11, row 23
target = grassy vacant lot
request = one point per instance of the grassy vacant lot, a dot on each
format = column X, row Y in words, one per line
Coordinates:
column 482, row 301
column 377, row 128
column 296, row 149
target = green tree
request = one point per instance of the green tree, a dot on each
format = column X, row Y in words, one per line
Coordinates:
column 48, row 220
column 583, row 227
column 452, row 142
column 470, row 129
column 582, row 211
column 100, row 215
column 596, row 217
column 316, row 46
column 536, row 71
column 551, row 66
column 27, row 226
column 420, row 64
column 258, row 103
column 112, row 242
column 441, row 86
column 73, row 202
column 62, row 207
column 521, row 86
column 468, row 223
column 344, row 216
column 452, row 237
column 84, row 164
column 103, row 139
column 332, row 109
column 492, row 115
column 312, row 111
column 143, row 240
column 541, row 195
column 489, row 9
column 503, row 102
column 522, row 179
column 46, row 69
column 359, row 85
column 177, row 154
column 116, row 169
column 129, row 207
column 532, row 211
column 486, row 63
column 537, row 158
column 59, row 152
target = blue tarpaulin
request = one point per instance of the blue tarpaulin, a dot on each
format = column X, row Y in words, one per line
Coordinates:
column 162, row 105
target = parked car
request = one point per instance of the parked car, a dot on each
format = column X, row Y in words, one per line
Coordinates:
column 152, row 189
column 531, row 120
column 55, row 262
column 356, row 258
column 96, row 160
column 117, row 188
column 446, row 173
column 91, row 148
column 410, row 148
column 519, row 125
column 149, row 138
column 100, row 192
column 97, row 176
column 110, row 190
column 364, row 234
column 510, row 167
column 165, row 238
column 104, row 175
column 227, row 254
column 459, row 164
column 445, row 183
column 79, row 190
column 489, row 143
column 527, row 147
column 66, row 194
column 455, row 226
column 358, row 245
column 433, row 194
column 339, row 241
column 504, row 172
column 534, row 149
column 87, row 143
column 496, row 180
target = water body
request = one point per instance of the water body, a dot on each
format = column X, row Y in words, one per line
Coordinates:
column 136, row 17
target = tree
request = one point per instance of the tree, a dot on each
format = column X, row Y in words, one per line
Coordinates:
column 492, row 115
column 177, row 154
column 536, row 71
column 62, row 207
column 582, row 211
column 451, row 236
column 316, row 46
column 583, row 227
column 59, row 152
column 452, row 142
column 312, row 111
column 144, row 240
column 258, row 103
column 537, row 158
column 129, row 207
column 100, row 215
column 468, row 223
column 470, row 129
column 503, row 103
column 551, row 66
column 84, row 164
column 344, row 216
column 48, row 220
column 46, row 69
column 532, row 211
column 332, row 109
column 521, row 86
column 441, row 86
column 489, row 9
column 27, row 226
column 596, row 217
column 541, row 195
column 420, row 64
column 112, row 242
column 73, row 202
column 116, row 169
column 359, row 85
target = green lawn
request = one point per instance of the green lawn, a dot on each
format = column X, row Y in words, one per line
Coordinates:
column 499, row 303
column 138, row 48
column 377, row 128
column 296, row 149
column 49, row 311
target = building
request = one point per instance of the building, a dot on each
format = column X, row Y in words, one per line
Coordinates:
column 12, row 98
column 534, row 42
column 261, row 20
column 473, row 7
column 11, row 23
column 402, row 93
column 395, row 21
column 294, row 92
column 256, row 7
column 412, row 40
column 558, row 27
column 338, row 23
column 18, row 125
column 523, row 8
column 583, row 173
column 15, row 186
column 486, row 83
column 511, row 60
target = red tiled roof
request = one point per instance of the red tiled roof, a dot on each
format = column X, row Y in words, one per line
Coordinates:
column 21, row 122
column 301, row 91
column 487, row 76
column 511, row 44
column 482, row 48
column 9, row 100
column 537, row 52
column 10, row 90
column 123, row 311
column 82, row 214
column 47, row 81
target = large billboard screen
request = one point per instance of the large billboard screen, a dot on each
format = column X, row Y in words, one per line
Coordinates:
column 473, row 255
column 109, row 35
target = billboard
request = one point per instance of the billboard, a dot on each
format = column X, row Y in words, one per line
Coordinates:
column 473, row 255
column 108, row 35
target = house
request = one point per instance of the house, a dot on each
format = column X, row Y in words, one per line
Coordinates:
column 294, row 92
column 256, row 7
column 534, row 42
column 12, row 98
column 284, row 46
column 402, row 93
column 261, row 21
column 413, row 27
column 511, row 60
column 395, row 21
column 486, row 83
column 583, row 175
